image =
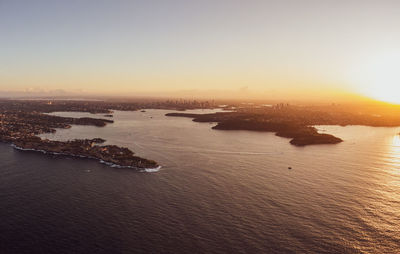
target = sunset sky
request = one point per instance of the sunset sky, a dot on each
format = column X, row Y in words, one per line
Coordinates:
column 260, row 49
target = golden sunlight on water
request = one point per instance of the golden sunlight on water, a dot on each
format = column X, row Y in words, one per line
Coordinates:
column 395, row 155
column 353, row 187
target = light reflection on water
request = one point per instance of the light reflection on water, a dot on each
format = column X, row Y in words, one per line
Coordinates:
column 395, row 152
column 337, row 198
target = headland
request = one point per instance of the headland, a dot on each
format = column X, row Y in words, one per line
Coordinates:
column 294, row 122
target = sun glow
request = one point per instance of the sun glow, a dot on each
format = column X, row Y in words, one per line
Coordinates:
column 380, row 78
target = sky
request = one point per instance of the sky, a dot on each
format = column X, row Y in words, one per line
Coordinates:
column 261, row 49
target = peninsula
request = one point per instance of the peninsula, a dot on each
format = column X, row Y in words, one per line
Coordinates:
column 301, row 135
column 22, row 121
column 294, row 122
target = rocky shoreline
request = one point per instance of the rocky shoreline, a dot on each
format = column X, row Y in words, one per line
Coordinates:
column 152, row 169
column 87, row 148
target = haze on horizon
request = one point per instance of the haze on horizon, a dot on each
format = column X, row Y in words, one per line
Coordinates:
column 305, row 49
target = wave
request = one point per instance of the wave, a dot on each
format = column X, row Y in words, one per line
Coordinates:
column 151, row 170
column 110, row 164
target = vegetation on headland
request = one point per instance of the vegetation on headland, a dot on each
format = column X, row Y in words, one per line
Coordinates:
column 293, row 122
column 21, row 122
column 89, row 148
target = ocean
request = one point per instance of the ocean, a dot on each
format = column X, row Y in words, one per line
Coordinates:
column 217, row 192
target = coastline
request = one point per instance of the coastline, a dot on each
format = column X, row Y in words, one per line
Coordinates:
column 300, row 133
column 110, row 164
column 21, row 123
